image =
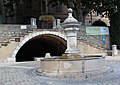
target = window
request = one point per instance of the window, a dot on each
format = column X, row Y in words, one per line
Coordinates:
column 58, row 7
column 29, row 3
column 43, row 7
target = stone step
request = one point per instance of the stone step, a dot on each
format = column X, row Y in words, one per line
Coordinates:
column 91, row 44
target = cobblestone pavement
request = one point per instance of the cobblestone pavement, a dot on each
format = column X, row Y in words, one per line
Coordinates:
column 22, row 74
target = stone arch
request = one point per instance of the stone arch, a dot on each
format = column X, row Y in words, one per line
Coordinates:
column 35, row 34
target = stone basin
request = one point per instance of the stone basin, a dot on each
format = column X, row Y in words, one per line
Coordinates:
column 87, row 64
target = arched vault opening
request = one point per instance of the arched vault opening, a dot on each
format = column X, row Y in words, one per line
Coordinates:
column 40, row 45
column 99, row 23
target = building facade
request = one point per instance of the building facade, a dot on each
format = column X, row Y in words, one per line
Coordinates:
column 21, row 12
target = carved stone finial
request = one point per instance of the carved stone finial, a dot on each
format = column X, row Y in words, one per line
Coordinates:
column 70, row 10
column 47, row 55
column 70, row 13
column 70, row 21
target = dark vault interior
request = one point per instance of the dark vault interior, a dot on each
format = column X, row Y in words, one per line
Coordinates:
column 40, row 45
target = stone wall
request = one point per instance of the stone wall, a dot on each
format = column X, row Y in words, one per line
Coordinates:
column 13, row 28
column 8, row 31
column 87, row 44
column 6, row 51
column 95, row 40
column 86, row 48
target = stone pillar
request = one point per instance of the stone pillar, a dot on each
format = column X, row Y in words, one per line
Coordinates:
column 54, row 24
column 58, row 23
column 71, row 27
column 114, row 50
column 33, row 23
column 72, row 41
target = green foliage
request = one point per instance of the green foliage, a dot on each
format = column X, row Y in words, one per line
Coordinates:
column 46, row 18
column 64, row 56
column 115, row 29
column 81, row 7
column 111, row 8
column 9, row 7
column 70, row 56
column 4, row 44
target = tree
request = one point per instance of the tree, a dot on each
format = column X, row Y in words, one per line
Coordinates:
column 115, row 25
column 81, row 7
column 9, row 7
column 111, row 8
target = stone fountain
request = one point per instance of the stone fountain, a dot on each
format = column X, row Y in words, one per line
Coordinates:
column 73, row 64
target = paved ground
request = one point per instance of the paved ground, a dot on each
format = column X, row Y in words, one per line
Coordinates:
column 23, row 74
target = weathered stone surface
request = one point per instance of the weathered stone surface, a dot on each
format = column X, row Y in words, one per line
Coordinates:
column 22, row 74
